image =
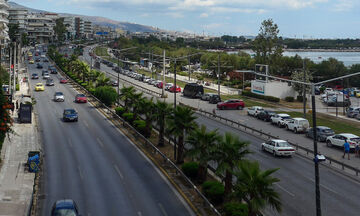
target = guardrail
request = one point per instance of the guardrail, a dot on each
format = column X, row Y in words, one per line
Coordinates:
column 247, row 129
column 147, row 143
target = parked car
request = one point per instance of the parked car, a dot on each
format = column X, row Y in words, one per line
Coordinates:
column 297, row 125
column 80, row 98
column 50, row 82
column 34, row 76
column 214, row 99
column 65, row 208
column 231, row 104
column 146, row 79
column 206, row 96
column 322, row 133
column 254, row 110
column 176, row 90
column 279, row 119
column 352, row 112
column 265, row 115
column 278, row 147
column 168, row 86
column 193, row 90
column 63, row 80
column 114, row 83
column 70, row 115
column 59, row 96
column 39, row 87
column 339, row 140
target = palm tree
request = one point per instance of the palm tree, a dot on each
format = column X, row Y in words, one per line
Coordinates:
column 162, row 111
column 230, row 152
column 125, row 95
column 135, row 101
column 181, row 122
column 84, row 70
column 255, row 187
column 203, row 145
column 147, row 107
column 102, row 80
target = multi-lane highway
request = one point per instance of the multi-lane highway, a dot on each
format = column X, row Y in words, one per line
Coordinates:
column 339, row 194
column 91, row 162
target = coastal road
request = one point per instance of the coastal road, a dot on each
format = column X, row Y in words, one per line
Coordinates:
column 338, row 193
column 91, row 162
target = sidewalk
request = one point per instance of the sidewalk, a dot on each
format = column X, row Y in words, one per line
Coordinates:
column 16, row 183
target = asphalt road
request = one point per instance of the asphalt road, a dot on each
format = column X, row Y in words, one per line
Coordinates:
column 339, row 194
column 91, row 162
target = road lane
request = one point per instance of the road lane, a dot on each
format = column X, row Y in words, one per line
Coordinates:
column 77, row 167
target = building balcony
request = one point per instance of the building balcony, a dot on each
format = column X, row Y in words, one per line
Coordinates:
column 4, row 5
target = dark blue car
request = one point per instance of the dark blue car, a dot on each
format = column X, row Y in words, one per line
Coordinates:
column 65, row 207
column 70, row 115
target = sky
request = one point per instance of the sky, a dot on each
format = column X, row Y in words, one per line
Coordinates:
column 295, row 18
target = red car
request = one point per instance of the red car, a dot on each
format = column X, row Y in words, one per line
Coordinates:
column 63, row 81
column 80, row 98
column 231, row 104
column 159, row 85
column 172, row 89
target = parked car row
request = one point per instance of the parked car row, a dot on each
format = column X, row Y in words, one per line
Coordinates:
column 297, row 125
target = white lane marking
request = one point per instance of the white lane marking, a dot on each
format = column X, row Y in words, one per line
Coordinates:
column 139, row 213
column 291, row 194
column 118, row 171
column 86, row 124
column 70, row 143
column 100, row 142
column 162, row 209
column 80, row 173
column 326, row 187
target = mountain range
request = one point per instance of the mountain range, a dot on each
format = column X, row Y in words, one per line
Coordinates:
column 102, row 21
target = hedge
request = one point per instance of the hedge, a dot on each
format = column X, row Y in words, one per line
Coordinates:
column 236, row 209
column 214, row 191
column 299, row 98
column 106, row 94
column 119, row 110
column 190, row 169
column 129, row 117
column 268, row 98
column 140, row 126
column 289, row 99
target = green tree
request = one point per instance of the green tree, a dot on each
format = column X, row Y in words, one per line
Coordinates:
column 102, row 80
column 125, row 95
column 299, row 76
column 60, row 29
column 147, row 107
column 230, row 152
column 135, row 101
column 202, row 149
column 24, row 39
column 256, row 187
column 162, row 111
column 266, row 45
column 106, row 94
column 13, row 32
column 181, row 122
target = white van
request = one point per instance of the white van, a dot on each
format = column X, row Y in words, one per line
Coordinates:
column 297, row 125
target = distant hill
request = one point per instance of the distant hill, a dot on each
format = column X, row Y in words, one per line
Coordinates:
column 102, row 21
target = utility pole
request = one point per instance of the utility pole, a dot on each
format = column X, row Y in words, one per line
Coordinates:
column 189, row 68
column 118, row 78
column 175, row 84
column 304, row 88
column 219, row 74
column 163, row 83
column 10, row 71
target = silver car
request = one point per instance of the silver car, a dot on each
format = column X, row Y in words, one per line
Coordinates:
column 59, row 96
column 207, row 96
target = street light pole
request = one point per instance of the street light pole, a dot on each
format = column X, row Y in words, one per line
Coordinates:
column 118, row 78
column 175, row 84
column 219, row 74
column 304, row 88
column 317, row 179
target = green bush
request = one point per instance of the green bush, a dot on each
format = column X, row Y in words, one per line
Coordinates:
column 299, row 98
column 129, row 117
column 190, row 169
column 119, row 110
column 84, row 84
column 268, row 98
column 289, row 99
column 182, row 73
column 322, row 89
column 140, row 126
column 236, row 209
column 17, row 87
column 214, row 191
column 106, row 94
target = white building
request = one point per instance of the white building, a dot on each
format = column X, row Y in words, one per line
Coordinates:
column 88, row 30
column 69, row 23
column 18, row 16
column 4, row 13
column 273, row 88
column 40, row 28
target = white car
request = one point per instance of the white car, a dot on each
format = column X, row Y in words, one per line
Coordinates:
column 146, row 79
column 339, row 140
column 279, row 119
column 254, row 110
column 168, row 86
column 59, row 96
column 278, row 147
column 46, row 76
column 297, row 125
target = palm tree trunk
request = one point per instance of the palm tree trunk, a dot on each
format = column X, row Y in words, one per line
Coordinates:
column 161, row 134
column 148, row 128
column 180, row 155
column 228, row 183
column 202, row 172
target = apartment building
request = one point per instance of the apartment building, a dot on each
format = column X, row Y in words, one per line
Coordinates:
column 88, row 30
column 4, row 13
column 18, row 16
column 40, row 28
column 69, row 22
